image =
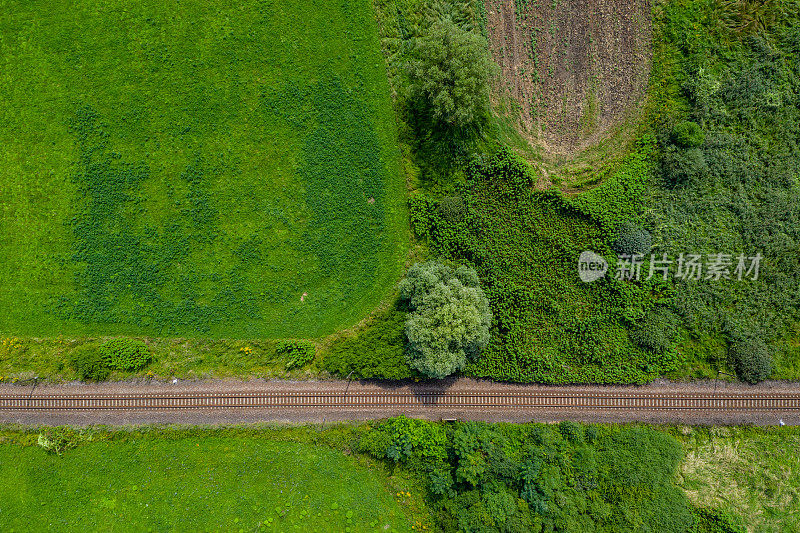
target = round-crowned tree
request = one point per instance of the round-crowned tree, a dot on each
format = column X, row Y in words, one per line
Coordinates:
column 448, row 71
column 450, row 318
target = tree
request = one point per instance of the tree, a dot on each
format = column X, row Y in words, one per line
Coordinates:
column 448, row 71
column 450, row 317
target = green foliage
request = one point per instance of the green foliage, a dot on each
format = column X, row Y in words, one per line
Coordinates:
column 376, row 350
column 658, row 332
column 451, row 209
column 751, row 359
column 571, row 431
column 535, row 478
column 125, row 354
column 746, row 16
column 411, row 438
column 688, row 134
column 524, row 244
column 59, row 439
column 197, row 185
column 449, row 320
column 632, row 239
column 448, row 72
column 683, row 166
column 297, row 353
column 736, row 191
column 89, row 363
column 714, row 521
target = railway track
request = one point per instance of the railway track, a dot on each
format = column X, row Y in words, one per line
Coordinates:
column 479, row 400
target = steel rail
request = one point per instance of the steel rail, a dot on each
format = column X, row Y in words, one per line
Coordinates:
column 392, row 400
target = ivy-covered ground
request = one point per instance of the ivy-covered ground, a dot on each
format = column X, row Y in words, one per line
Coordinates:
column 189, row 169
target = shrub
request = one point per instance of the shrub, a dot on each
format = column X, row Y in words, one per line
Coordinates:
column 452, row 209
column 688, row 134
column 375, row 351
column 714, row 521
column 751, row 360
column 299, row 353
column 89, row 363
column 571, row 431
column 450, row 319
column 632, row 239
column 682, row 166
column 57, row 440
column 125, row 354
column 658, row 332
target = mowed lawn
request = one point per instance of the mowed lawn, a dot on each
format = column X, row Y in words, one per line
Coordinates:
column 191, row 168
column 193, row 484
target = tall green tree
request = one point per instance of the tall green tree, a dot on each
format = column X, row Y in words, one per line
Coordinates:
column 448, row 70
column 450, row 317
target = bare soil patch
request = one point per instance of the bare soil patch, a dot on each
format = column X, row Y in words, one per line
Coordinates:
column 573, row 69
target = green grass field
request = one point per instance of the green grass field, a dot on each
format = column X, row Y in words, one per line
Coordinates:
column 751, row 473
column 195, row 169
column 193, row 484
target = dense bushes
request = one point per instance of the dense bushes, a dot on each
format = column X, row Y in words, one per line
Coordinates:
column 125, row 354
column 89, row 363
column 728, row 168
column 751, row 360
column 632, row 239
column 376, row 350
column 93, row 363
column 548, row 326
column 449, row 320
column 297, row 353
column 658, row 332
column 687, row 134
column 486, row 478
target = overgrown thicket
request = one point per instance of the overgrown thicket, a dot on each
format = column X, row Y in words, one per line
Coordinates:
column 729, row 166
column 376, row 350
column 548, row 325
column 533, row 477
column 714, row 170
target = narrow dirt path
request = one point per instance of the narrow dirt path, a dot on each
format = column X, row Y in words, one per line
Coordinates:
column 435, row 400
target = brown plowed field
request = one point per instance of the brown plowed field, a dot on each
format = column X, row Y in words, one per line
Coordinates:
column 576, row 68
